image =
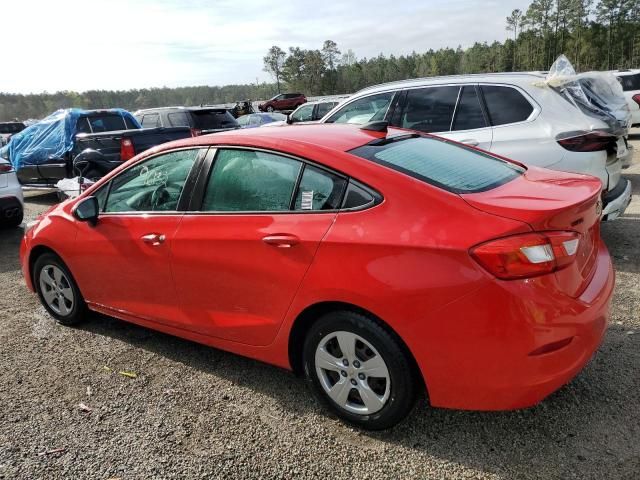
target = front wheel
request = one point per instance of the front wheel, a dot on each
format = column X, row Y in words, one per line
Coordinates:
column 57, row 290
column 360, row 370
column 270, row 109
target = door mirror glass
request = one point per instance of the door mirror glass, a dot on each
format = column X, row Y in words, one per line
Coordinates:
column 87, row 210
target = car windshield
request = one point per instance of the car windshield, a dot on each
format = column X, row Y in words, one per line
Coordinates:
column 452, row 167
column 214, row 119
column 103, row 123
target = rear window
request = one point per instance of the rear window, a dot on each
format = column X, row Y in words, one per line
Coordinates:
column 630, row 82
column 451, row 167
column 213, row 119
column 11, row 127
column 102, row 123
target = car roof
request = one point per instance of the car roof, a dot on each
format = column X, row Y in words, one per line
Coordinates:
column 338, row 137
column 509, row 77
column 180, row 108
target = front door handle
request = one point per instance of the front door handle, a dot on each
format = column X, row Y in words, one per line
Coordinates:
column 281, row 240
column 154, row 239
column 472, row 142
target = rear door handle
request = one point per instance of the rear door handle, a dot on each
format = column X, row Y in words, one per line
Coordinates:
column 471, row 142
column 281, row 240
column 154, row 239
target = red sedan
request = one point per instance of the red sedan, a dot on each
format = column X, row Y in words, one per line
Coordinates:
column 381, row 264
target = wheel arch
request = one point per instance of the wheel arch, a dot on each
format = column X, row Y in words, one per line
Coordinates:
column 312, row 313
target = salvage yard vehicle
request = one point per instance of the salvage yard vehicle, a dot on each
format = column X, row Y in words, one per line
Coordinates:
column 630, row 82
column 7, row 129
column 43, row 153
column 283, row 102
column 378, row 262
column 511, row 114
column 259, row 119
column 201, row 120
column 11, row 199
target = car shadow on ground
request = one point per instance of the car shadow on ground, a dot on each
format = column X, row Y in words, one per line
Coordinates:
column 566, row 425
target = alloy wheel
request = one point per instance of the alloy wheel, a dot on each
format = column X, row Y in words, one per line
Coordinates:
column 352, row 373
column 56, row 290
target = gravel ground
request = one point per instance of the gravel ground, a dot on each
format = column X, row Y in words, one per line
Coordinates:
column 196, row 412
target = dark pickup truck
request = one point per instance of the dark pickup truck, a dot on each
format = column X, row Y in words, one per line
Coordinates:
column 43, row 153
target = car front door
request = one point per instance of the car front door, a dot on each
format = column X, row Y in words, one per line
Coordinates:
column 450, row 111
column 240, row 256
column 123, row 261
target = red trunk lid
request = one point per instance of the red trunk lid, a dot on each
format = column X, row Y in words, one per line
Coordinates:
column 552, row 200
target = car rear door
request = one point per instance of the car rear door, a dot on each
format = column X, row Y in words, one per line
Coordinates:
column 450, row 111
column 240, row 254
column 123, row 262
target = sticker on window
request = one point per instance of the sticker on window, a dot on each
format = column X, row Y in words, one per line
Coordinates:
column 307, row 200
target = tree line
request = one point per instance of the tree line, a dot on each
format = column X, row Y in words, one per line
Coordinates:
column 594, row 35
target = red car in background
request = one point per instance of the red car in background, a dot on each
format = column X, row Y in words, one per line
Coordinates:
column 380, row 264
column 283, row 101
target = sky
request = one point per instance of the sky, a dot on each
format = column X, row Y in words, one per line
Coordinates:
column 52, row 45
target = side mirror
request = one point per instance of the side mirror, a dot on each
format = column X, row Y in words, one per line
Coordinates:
column 290, row 119
column 87, row 210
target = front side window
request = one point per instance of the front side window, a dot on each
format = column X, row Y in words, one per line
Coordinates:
column 438, row 162
column 319, row 190
column 506, row 105
column 363, row 110
column 152, row 185
column 303, row 114
column 250, row 181
column 430, row 109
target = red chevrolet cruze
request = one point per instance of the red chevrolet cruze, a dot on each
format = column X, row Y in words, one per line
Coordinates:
column 378, row 263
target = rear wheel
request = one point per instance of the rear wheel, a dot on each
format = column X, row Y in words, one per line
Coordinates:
column 58, row 290
column 360, row 370
column 270, row 109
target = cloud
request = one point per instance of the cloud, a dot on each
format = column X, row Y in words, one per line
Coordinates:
column 120, row 44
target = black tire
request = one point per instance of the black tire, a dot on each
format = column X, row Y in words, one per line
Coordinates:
column 270, row 109
column 14, row 221
column 403, row 382
column 78, row 310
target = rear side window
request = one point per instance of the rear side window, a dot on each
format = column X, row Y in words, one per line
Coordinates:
column 630, row 82
column 251, row 181
column 150, row 120
column 364, row 110
column 319, row 190
column 213, row 119
column 178, row 119
column 506, row 105
column 430, row 109
column 469, row 112
column 435, row 161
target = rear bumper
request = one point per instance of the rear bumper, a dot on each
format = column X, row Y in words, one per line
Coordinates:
column 483, row 353
column 616, row 201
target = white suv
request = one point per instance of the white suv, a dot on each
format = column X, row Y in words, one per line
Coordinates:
column 11, row 200
column 515, row 115
column 630, row 81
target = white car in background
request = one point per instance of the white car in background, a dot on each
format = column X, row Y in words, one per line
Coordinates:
column 11, row 199
column 511, row 114
column 630, row 81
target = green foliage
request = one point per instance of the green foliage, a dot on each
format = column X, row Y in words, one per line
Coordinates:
column 599, row 35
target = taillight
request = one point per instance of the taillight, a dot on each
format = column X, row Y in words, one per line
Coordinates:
column 126, row 149
column 587, row 141
column 195, row 132
column 527, row 255
column 5, row 168
column 636, row 98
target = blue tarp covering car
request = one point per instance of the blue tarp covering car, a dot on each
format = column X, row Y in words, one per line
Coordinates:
column 51, row 138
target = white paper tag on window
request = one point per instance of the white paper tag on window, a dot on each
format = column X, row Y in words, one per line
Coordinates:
column 307, row 200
